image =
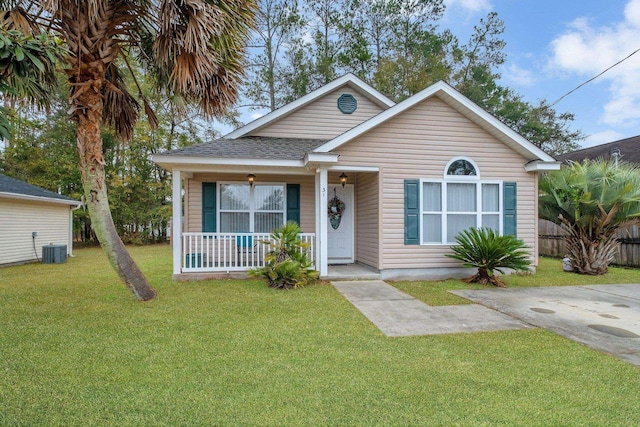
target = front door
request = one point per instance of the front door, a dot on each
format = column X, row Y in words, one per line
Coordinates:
column 340, row 224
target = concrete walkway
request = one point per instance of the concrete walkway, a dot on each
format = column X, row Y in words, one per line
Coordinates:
column 397, row 314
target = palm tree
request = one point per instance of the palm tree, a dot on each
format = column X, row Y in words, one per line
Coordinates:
column 591, row 201
column 193, row 49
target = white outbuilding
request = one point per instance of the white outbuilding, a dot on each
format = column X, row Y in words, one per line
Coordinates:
column 30, row 218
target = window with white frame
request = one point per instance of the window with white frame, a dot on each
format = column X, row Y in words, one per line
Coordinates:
column 458, row 201
column 251, row 209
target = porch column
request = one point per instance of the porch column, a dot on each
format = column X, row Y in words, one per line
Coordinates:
column 321, row 221
column 176, row 226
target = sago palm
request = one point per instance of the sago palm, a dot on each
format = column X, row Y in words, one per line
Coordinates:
column 192, row 48
column 591, row 201
column 287, row 264
column 488, row 251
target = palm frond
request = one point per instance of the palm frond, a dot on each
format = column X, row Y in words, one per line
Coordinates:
column 199, row 49
column 485, row 248
column 120, row 108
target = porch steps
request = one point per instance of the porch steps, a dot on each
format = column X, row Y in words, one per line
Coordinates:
column 351, row 272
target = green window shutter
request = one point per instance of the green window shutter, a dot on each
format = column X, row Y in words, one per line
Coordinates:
column 293, row 202
column 208, row 207
column 411, row 212
column 510, row 203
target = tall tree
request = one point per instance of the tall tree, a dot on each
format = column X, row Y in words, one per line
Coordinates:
column 194, row 49
column 422, row 62
column 484, row 50
column 277, row 24
column 326, row 19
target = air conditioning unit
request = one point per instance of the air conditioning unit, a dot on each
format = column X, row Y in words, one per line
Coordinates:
column 54, row 254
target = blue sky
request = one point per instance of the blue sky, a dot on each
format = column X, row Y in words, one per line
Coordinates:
column 553, row 46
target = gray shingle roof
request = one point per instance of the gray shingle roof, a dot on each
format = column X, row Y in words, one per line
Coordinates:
column 15, row 186
column 251, row 147
column 629, row 151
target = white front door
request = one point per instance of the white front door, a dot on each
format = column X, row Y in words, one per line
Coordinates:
column 340, row 224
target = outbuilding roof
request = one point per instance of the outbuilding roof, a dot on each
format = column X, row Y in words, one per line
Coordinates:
column 15, row 188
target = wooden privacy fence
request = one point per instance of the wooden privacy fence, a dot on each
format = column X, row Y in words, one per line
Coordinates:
column 551, row 243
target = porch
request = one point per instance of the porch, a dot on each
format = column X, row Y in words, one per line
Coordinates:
column 225, row 220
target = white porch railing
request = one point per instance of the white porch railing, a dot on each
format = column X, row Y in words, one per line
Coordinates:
column 222, row 252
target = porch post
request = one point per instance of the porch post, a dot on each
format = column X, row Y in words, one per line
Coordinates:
column 321, row 221
column 176, row 226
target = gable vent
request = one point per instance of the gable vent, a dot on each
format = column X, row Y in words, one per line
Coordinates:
column 347, row 103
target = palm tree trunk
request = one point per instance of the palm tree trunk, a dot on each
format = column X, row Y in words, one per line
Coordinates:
column 588, row 255
column 87, row 104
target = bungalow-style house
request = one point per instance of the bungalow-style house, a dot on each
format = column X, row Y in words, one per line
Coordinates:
column 371, row 182
column 30, row 218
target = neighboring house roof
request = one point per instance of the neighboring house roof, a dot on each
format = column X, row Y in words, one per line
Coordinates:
column 348, row 79
column 538, row 158
column 628, row 149
column 15, row 189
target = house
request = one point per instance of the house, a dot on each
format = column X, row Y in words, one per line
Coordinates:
column 31, row 217
column 627, row 149
column 370, row 182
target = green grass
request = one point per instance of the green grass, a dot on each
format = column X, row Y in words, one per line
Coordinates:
column 549, row 273
column 77, row 349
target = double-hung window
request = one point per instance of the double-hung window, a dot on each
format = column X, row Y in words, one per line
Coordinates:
column 251, row 209
column 459, row 201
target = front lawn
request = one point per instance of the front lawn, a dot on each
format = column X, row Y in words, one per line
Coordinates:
column 77, row 349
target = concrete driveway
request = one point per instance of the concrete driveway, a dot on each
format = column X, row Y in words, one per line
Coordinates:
column 604, row 317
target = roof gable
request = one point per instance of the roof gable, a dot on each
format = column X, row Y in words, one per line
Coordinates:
column 461, row 104
column 348, row 80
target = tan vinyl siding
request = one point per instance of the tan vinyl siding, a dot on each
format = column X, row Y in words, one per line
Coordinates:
column 321, row 119
column 418, row 144
column 367, row 223
column 193, row 196
column 18, row 219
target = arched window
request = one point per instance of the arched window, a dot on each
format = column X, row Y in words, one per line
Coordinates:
column 459, row 201
column 462, row 166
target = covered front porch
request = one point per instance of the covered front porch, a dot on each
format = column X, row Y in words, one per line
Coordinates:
column 201, row 253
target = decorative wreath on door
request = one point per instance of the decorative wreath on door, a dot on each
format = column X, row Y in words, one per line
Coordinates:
column 335, row 209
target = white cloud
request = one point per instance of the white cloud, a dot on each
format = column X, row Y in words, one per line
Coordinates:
column 519, row 76
column 255, row 116
column 470, row 6
column 601, row 138
column 586, row 50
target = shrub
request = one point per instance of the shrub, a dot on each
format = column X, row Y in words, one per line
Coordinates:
column 287, row 264
column 488, row 251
